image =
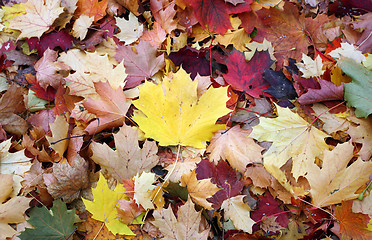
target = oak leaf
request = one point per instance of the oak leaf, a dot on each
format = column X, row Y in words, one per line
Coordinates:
column 235, row 146
column 352, row 225
column 239, row 212
column 199, row 190
column 336, row 181
column 104, row 206
column 128, row 159
column 292, row 137
column 140, row 65
column 38, row 19
column 110, row 109
column 178, row 116
column 185, row 226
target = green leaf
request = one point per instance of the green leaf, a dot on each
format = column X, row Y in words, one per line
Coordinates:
column 358, row 93
column 56, row 224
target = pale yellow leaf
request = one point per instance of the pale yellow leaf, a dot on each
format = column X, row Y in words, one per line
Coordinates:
column 239, row 212
column 130, row 30
column 143, row 189
column 81, row 25
column 310, row 67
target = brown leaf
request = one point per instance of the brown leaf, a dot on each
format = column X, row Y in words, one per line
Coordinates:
column 67, row 182
column 128, row 210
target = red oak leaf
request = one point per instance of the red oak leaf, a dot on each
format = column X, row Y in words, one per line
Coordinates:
column 214, row 14
column 223, row 176
column 247, row 76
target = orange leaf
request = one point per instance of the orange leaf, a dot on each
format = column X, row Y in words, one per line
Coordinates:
column 352, row 225
column 94, row 8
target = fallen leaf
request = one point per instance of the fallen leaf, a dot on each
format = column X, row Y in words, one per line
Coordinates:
column 310, row 67
column 59, row 141
column 235, row 146
column 199, row 190
column 336, row 181
column 15, row 162
column 247, row 76
column 239, row 212
column 349, row 51
column 143, row 189
column 328, row 92
column 38, row 19
column 130, row 30
column 92, row 8
column 140, row 65
column 185, row 226
column 56, row 223
column 292, row 137
column 104, row 206
column 128, row 159
column 110, row 109
column 180, row 118
column 81, row 25
column 352, row 225
column 67, row 181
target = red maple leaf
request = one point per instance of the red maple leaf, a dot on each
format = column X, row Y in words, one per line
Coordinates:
column 214, row 14
column 268, row 206
column 247, row 76
column 48, row 94
column 223, row 176
column 51, row 40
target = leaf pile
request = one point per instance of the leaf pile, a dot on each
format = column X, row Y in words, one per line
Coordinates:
column 175, row 119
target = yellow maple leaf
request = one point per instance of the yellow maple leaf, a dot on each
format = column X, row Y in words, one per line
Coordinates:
column 39, row 17
column 172, row 114
column 336, row 181
column 104, row 206
column 292, row 137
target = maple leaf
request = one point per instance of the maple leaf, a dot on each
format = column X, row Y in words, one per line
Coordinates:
column 210, row 12
column 164, row 15
column 239, row 212
column 199, row 190
column 328, row 92
column 38, row 19
column 336, row 181
column 91, row 68
column 288, row 31
column 15, row 162
column 310, row 68
column 128, row 210
column 358, row 93
column 11, row 211
column 347, row 51
column 92, row 8
column 352, row 225
column 128, row 159
column 268, row 206
column 81, row 25
column 143, row 189
column 236, row 147
column 47, row 70
column 110, row 109
column 185, row 226
column 67, row 181
column 56, row 223
column 130, row 30
column 223, row 176
column 280, row 86
column 247, row 76
column 51, row 40
column 104, row 206
column 292, row 137
column 140, row 65
column 178, row 117
column 59, row 129
column 11, row 103
column 155, row 36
